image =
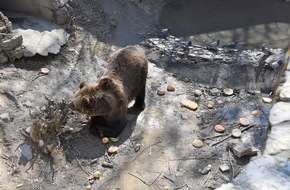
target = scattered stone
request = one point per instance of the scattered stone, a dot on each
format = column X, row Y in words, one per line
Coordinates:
column 97, row 174
column 113, row 149
column 5, row 117
column 40, row 143
column 93, row 161
column 189, row 104
column 236, row 133
column 161, row 92
column 228, row 91
column 107, row 165
column 267, row 100
column 105, row 140
column 197, row 143
column 44, row 71
column 244, row 122
column 137, row 147
column 27, row 130
column 219, row 128
column 210, row 104
column 224, row 168
column 197, row 92
column 184, row 116
column 171, row 87
column 215, row 92
column 11, row 41
column 241, row 149
column 256, row 113
column 206, row 169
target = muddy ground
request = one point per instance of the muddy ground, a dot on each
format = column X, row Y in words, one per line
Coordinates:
column 164, row 129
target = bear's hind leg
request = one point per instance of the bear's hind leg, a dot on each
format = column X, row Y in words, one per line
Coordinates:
column 140, row 99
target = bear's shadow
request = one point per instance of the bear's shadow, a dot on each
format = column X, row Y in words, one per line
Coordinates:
column 85, row 145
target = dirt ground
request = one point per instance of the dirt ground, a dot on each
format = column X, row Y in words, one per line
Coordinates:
column 164, row 130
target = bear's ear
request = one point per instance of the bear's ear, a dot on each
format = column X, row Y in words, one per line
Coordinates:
column 105, row 83
column 82, row 85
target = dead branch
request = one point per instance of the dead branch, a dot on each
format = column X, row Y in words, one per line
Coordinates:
column 233, row 169
column 155, row 179
column 137, row 177
column 179, row 187
column 166, row 177
column 79, row 163
column 207, row 178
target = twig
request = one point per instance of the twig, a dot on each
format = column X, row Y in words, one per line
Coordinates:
column 247, row 128
column 211, row 137
column 89, row 174
column 238, row 172
column 144, row 150
column 233, row 169
column 166, row 177
column 155, row 179
column 207, row 178
column 137, row 178
column 179, row 187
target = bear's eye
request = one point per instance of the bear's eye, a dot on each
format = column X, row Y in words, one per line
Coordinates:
column 86, row 102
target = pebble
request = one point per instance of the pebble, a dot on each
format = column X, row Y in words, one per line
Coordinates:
column 210, row 104
column 113, row 149
column 171, row 87
column 137, row 147
column 189, row 104
column 44, row 71
column 224, row 168
column 197, row 143
column 244, row 122
column 256, row 113
column 161, row 92
column 5, row 117
column 228, row 91
column 40, row 143
column 215, row 92
column 206, row 169
column 107, row 165
column 197, row 92
column 219, row 128
column 236, row 133
column 267, row 100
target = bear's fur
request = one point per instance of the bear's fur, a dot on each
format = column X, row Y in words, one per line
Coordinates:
column 106, row 101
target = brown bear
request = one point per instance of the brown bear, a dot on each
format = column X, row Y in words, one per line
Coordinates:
column 106, row 101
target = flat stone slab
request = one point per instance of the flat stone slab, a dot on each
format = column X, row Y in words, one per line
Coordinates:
column 278, row 139
column 277, row 113
column 39, row 36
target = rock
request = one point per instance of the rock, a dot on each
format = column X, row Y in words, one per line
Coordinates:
column 277, row 113
column 3, row 57
column 62, row 15
column 107, row 165
column 215, row 92
column 267, row 100
column 241, row 149
column 219, row 128
column 228, row 91
column 5, row 117
column 40, row 143
column 236, row 133
column 206, row 169
column 278, row 139
column 244, row 122
column 137, row 147
column 11, row 42
column 224, row 168
column 210, row 104
column 197, row 92
column 113, row 149
column 170, row 87
column 197, row 143
column 161, row 92
column 256, row 113
column 189, row 104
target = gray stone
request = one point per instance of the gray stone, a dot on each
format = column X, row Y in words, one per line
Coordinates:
column 215, row 92
column 278, row 139
column 224, row 168
column 5, row 117
column 62, row 15
column 197, row 92
column 241, row 149
column 206, row 169
column 277, row 113
column 266, row 172
column 3, row 57
column 11, row 41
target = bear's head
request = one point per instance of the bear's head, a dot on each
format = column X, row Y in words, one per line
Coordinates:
column 95, row 99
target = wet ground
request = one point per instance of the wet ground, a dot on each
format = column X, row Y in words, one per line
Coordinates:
column 165, row 130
